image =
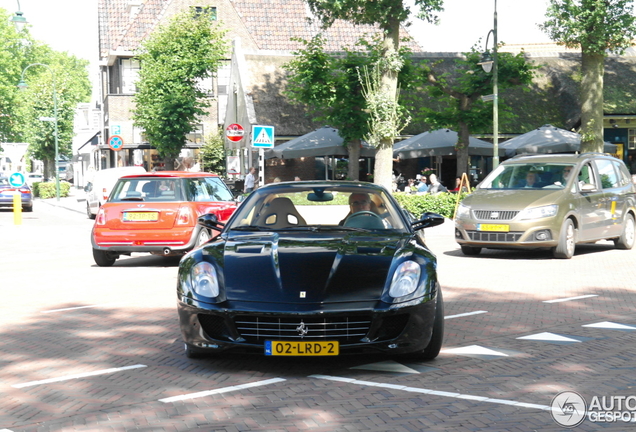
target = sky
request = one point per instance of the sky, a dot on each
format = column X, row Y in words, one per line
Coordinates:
column 71, row 25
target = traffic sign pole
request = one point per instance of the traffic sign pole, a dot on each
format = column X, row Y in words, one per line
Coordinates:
column 17, row 208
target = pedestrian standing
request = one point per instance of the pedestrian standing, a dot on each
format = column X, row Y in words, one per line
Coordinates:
column 250, row 181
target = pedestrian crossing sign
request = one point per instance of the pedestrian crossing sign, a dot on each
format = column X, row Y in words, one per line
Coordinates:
column 262, row 136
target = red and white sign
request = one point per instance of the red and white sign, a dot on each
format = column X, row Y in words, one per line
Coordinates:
column 234, row 132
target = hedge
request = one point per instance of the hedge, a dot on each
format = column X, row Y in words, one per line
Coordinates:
column 47, row 189
column 442, row 203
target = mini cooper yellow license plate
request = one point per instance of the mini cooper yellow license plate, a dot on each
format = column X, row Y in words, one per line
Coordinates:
column 141, row 216
column 493, row 227
column 302, row 348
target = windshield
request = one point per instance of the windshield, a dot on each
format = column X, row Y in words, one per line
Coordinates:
column 528, row 176
column 329, row 208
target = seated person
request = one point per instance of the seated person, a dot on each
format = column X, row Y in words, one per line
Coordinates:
column 531, row 181
column 361, row 202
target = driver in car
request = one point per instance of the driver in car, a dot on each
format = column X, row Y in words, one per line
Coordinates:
column 357, row 202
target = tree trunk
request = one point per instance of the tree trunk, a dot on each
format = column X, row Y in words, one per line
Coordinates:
column 353, row 171
column 383, row 170
column 592, row 69
column 462, row 149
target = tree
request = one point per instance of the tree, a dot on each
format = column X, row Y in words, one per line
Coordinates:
column 388, row 15
column 330, row 86
column 460, row 93
column 213, row 153
column 597, row 26
column 68, row 77
column 174, row 60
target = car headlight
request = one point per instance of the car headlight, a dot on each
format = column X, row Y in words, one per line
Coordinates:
column 204, row 280
column 405, row 279
column 539, row 212
column 462, row 211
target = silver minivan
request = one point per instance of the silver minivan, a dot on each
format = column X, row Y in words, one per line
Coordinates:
column 101, row 183
column 552, row 201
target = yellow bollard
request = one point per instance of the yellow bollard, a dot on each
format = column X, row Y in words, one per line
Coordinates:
column 17, row 208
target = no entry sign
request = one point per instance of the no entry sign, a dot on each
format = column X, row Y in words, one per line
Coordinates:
column 234, row 132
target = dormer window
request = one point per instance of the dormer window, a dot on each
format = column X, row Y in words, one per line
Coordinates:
column 210, row 11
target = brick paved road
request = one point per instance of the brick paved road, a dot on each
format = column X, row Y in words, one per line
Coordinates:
column 97, row 349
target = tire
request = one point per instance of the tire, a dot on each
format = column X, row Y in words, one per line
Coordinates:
column 103, row 258
column 437, row 337
column 626, row 240
column 193, row 353
column 88, row 211
column 567, row 241
column 470, row 250
column 203, row 237
column 28, row 209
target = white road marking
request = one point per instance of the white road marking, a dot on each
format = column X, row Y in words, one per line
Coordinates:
column 465, row 314
column 546, row 336
column 221, row 390
column 570, row 298
column 76, row 376
column 474, row 350
column 435, row 392
column 74, row 308
column 610, row 325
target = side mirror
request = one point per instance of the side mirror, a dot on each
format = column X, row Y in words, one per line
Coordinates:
column 587, row 188
column 239, row 199
column 428, row 220
column 210, row 221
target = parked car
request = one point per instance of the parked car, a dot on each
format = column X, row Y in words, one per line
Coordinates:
column 157, row 213
column 549, row 201
column 32, row 178
column 7, row 192
column 99, row 186
column 297, row 271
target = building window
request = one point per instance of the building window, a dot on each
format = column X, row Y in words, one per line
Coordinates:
column 223, row 78
column 129, row 75
column 196, row 136
column 206, row 10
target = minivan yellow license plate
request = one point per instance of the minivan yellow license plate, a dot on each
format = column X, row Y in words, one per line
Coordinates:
column 141, row 216
column 493, row 227
column 302, row 348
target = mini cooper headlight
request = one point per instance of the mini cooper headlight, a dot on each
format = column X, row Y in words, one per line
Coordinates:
column 204, row 280
column 405, row 279
column 539, row 212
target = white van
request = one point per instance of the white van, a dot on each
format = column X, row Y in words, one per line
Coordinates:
column 98, row 188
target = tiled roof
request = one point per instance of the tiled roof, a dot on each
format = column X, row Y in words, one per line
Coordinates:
column 123, row 24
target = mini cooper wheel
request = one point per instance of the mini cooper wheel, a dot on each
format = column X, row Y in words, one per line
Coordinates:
column 203, row 237
column 626, row 240
column 103, row 258
column 470, row 250
column 567, row 241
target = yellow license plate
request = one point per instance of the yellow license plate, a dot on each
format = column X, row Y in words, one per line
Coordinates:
column 493, row 227
column 302, row 348
column 141, row 216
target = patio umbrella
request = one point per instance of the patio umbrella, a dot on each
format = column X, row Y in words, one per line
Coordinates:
column 439, row 142
column 547, row 139
column 321, row 142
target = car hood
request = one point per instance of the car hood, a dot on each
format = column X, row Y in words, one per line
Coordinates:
column 268, row 267
column 512, row 199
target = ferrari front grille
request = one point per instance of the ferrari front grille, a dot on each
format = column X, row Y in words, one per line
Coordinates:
column 345, row 329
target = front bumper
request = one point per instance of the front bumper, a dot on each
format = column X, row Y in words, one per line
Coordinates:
column 526, row 235
column 245, row 327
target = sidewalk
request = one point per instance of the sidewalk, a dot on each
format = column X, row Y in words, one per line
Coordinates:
column 75, row 201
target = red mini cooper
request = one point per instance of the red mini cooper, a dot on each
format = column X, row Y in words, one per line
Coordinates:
column 157, row 213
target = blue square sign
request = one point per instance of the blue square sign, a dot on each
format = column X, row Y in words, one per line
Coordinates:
column 262, row 136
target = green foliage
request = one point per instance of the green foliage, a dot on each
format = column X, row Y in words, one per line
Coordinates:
column 442, row 203
column 169, row 100
column 213, row 154
column 595, row 25
column 47, row 189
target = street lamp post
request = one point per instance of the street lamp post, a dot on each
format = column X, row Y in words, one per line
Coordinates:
column 19, row 21
column 490, row 63
column 23, row 85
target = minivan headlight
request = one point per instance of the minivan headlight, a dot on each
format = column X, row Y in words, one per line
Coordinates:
column 539, row 212
column 463, row 211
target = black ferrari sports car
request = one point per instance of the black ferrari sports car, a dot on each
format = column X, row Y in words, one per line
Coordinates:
column 315, row 268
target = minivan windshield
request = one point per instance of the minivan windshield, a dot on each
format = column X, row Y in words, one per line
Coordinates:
column 529, row 176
